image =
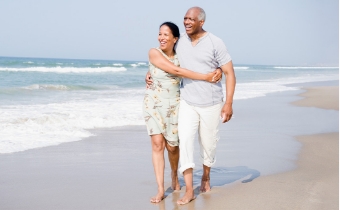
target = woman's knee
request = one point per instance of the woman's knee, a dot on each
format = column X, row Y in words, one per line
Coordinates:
column 158, row 143
column 171, row 149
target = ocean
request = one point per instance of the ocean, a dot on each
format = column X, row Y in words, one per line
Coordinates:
column 46, row 102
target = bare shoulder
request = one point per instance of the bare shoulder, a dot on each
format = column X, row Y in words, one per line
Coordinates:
column 154, row 53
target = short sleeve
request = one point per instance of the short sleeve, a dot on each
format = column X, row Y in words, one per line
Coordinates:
column 221, row 53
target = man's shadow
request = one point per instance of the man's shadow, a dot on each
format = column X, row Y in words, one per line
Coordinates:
column 220, row 176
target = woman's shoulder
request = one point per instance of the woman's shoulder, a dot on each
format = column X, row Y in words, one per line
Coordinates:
column 155, row 51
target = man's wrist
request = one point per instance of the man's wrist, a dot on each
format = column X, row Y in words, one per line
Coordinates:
column 228, row 103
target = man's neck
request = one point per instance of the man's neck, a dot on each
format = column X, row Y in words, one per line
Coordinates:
column 197, row 36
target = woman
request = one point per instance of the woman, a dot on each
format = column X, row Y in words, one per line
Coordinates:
column 161, row 103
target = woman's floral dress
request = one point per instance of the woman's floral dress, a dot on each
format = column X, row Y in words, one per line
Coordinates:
column 161, row 103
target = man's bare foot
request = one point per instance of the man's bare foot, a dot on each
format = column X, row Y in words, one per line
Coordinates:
column 175, row 183
column 187, row 198
column 205, row 184
column 158, row 198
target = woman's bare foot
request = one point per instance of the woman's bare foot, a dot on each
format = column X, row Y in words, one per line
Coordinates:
column 205, row 184
column 175, row 183
column 158, row 198
column 187, row 198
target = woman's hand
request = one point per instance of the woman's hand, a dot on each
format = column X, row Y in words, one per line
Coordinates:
column 218, row 75
column 148, row 79
column 215, row 76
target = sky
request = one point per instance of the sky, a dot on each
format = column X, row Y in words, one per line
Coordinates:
column 261, row 32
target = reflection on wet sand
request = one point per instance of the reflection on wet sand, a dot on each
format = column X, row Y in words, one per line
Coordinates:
column 219, row 176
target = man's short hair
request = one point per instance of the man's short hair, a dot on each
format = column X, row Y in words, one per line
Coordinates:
column 201, row 15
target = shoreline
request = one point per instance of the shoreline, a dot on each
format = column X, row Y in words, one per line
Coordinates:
column 329, row 97
column 86, row 174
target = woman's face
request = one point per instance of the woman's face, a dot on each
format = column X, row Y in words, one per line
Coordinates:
column 166, row 38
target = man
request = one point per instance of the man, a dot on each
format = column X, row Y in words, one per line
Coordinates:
column 201, row 105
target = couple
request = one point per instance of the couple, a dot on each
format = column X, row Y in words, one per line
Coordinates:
column 179, row 101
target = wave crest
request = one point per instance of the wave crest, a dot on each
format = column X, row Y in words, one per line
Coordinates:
column 305, row 67
column 66, row 69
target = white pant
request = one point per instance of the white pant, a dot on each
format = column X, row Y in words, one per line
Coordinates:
column 206, row 121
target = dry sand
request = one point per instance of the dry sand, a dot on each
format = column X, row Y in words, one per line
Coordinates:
column 321, row 97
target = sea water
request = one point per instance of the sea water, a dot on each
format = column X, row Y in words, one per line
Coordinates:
column 46, row 102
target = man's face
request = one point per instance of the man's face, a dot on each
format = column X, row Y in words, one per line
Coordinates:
column 191, row 23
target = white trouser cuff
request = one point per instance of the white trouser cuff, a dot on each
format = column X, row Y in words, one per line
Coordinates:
column 186, row 166
column 208, row 163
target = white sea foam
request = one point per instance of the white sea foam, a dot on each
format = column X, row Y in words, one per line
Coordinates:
column 46, row 87
column 262, row 88
column 138, row 64
column 258, row 89
column 25, row 127
column 306, row 67
column 29, row 62
column 241, row 67
column 117, row 64
column 65, row 69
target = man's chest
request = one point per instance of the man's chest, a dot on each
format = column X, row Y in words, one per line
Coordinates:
column 201, row 53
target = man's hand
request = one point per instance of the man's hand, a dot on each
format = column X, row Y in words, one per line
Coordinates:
column 148, row 79
column 227, row 112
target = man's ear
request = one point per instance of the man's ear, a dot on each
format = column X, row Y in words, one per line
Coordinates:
column 201, row 23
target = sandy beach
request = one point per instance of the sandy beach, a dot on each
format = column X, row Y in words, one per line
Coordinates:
column 315, row 182
column 113, row 169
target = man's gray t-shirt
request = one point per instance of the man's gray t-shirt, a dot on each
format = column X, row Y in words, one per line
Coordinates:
column 209, row 53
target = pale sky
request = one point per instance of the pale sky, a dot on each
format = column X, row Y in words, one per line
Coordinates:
column 273, row 32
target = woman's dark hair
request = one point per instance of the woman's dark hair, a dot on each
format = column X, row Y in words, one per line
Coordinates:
column 173, row 27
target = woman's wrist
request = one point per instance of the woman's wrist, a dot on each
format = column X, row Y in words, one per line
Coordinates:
column 206, row 77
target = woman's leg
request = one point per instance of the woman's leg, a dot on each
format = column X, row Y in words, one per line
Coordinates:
column 173, row 154
column 158, row 145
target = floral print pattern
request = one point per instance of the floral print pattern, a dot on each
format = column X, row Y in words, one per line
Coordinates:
column 161, row 103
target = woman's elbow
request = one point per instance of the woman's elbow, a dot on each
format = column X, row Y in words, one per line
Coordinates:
column 178, row 73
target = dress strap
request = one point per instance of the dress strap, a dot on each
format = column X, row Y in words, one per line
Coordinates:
column 175, row 55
